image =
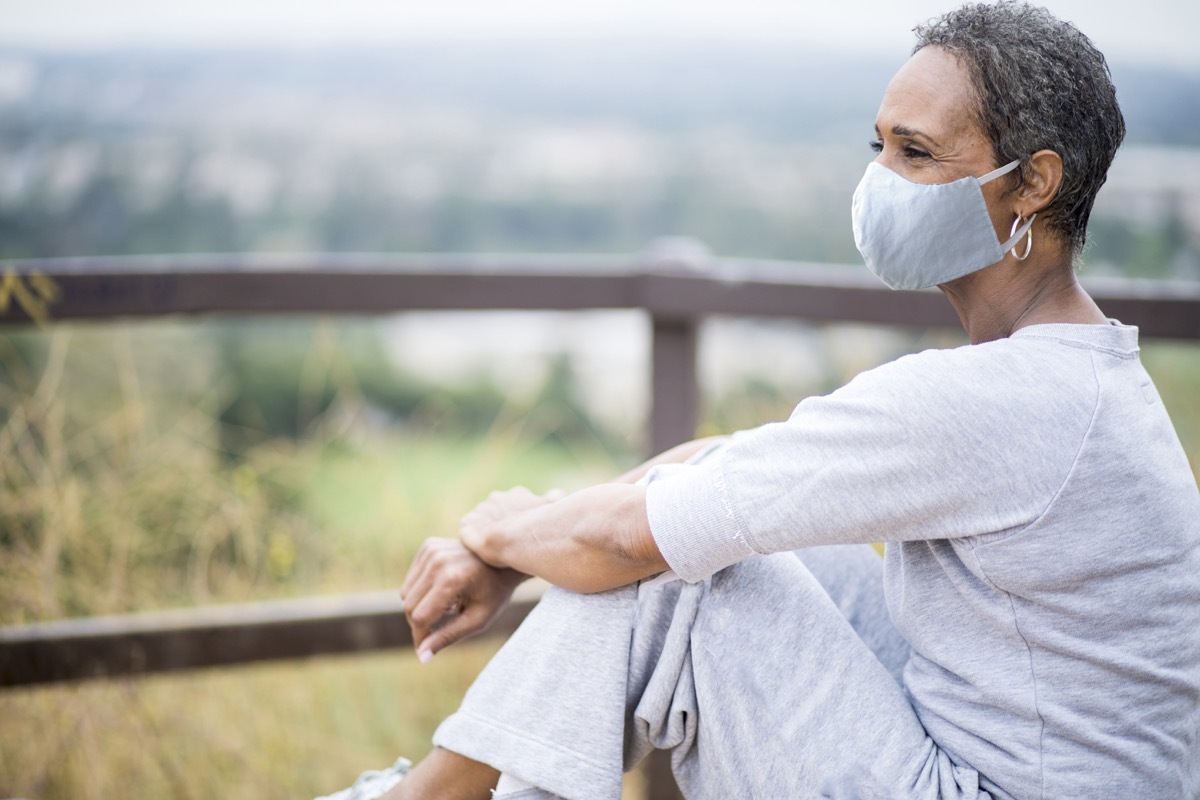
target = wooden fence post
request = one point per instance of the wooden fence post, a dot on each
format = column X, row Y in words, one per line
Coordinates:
column 674, row 400
column 675, row 392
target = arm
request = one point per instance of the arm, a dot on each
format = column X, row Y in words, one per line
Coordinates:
column 589, row 541
column 450, row 593
column 676, row 455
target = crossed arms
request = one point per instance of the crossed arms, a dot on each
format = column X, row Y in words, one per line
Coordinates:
column 588, row 541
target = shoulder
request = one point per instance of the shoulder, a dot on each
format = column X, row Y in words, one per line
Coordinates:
column 1005, row 376
column 1013, row 403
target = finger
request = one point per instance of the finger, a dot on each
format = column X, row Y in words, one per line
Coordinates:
column 419, row 634
column 419, row 629
column 433, row 608
column 422, row 634
column 502, row 503
column 424, row 568
column 418, row 587
column 516, row 491
column 473, row 620
column 415, row 568
column 472, row 519
column 472, row 532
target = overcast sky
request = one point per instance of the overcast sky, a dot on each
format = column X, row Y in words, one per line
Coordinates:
column 1146, row 31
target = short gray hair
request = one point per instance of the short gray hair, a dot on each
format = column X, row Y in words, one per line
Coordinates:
column 1042, row 85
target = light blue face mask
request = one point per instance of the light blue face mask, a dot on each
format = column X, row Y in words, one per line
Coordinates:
column 916, row 235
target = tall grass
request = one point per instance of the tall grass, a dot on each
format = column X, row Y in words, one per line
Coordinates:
column 114, row 501
column 117, row 494
column 277, row 731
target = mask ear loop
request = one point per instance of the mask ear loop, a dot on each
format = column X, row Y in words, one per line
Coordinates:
column 1028, row 237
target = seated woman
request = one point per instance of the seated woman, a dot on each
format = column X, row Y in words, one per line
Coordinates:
column 1033, row 630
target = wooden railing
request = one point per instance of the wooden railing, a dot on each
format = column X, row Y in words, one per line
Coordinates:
column 676, row 283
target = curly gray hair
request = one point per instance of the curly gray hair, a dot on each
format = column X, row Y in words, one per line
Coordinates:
column 1042, row 85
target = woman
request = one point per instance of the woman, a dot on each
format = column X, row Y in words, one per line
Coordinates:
column 1034, row 631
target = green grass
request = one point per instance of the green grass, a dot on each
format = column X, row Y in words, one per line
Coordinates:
column 379, row 503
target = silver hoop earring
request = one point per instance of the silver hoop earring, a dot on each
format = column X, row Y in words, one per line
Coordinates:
column 1028, row 238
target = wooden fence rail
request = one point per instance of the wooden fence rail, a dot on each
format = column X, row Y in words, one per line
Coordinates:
column 223, row 635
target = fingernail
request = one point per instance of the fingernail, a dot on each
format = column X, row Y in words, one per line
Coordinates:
column 424, row 655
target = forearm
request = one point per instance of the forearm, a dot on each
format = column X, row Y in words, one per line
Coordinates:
column 676, row 455
column 590, row 541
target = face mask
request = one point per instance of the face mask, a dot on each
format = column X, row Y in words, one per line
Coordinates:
column 916, row 235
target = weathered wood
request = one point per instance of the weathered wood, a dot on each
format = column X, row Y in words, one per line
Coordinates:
column 141, row 287
column 137, row 644
column 674, row 399
column 103, row 288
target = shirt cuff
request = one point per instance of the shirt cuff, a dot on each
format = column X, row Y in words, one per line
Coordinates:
column 692, row 521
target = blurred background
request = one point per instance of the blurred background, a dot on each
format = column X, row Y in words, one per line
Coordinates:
column 174, row 463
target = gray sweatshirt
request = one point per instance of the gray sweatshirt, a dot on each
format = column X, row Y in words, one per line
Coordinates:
column 1043, row 549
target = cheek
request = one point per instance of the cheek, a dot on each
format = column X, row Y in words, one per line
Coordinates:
column 893, row 160
column 999, row 208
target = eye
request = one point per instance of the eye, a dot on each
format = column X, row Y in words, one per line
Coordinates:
column 911, row 151
column 875, row 145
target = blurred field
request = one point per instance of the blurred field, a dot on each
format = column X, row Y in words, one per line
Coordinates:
column 117, row 494
column 125, row 485
column 281, row 731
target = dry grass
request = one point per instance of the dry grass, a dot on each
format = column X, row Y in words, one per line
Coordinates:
column 281, row 731
column 115, row 496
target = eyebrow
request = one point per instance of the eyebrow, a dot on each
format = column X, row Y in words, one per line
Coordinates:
column 904, row 130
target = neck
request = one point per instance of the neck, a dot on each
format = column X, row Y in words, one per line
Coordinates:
column 1005, row 297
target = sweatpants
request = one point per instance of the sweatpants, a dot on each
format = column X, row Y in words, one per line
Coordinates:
column 779, row 677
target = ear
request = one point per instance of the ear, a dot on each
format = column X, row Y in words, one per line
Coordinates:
column 1043, row 177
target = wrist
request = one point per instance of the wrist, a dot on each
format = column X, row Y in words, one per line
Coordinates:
column 511, row 578
column 492, row 543
column 634, row 541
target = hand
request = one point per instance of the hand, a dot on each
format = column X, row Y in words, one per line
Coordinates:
column 592, row 540
column 450, row 594
column 499, row 506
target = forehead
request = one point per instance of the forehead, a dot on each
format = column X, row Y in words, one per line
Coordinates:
column 931, row 93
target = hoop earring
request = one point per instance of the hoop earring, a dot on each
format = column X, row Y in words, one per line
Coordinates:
column 1028, row 238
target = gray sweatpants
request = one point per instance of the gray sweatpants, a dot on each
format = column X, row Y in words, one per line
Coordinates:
column 779, row 677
